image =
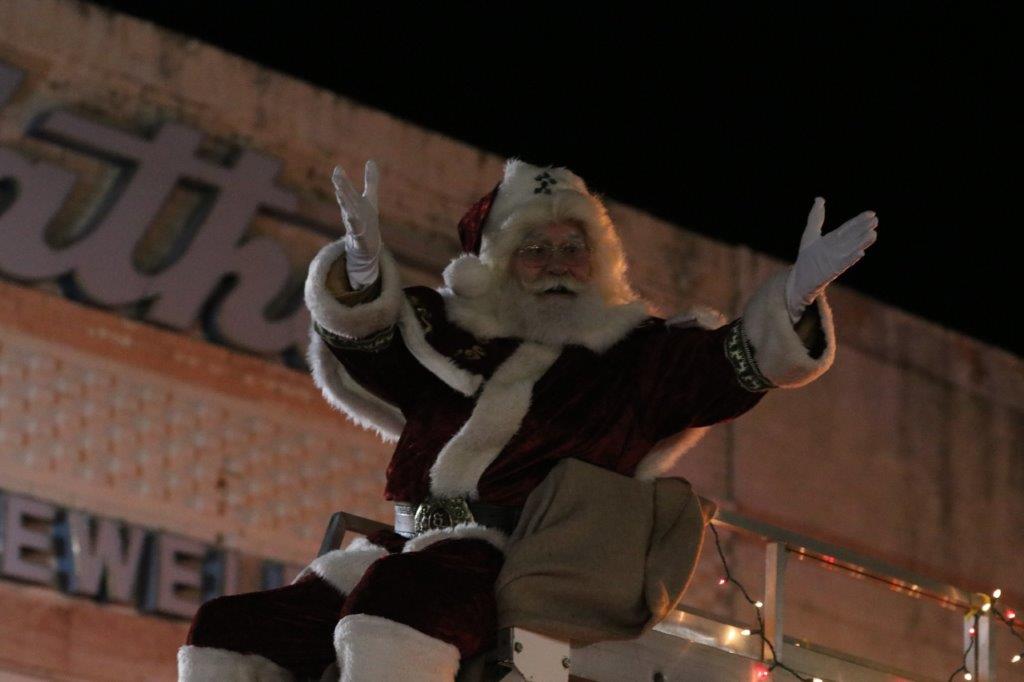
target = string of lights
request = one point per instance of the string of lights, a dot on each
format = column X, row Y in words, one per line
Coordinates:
column 1009, row 618
column 967, row 651
column 727, row 578
column 988, row 606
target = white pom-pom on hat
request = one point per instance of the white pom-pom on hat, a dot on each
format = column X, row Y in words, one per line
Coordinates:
column 467, row 276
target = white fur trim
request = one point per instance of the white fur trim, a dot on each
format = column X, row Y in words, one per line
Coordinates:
column 467, row 276
column 666, row 452
column 481, row 317
column 701, row 316
column 462, row 531
column 359, row 320
column 343, row 568
column 441, row 366
column 496, row 417
column 375, row 649
column 346, row 395
column 209, row 664
column 475, row 315
column 360, row 543
column 778, row 351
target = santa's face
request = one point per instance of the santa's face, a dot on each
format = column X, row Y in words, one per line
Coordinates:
column 548, row 294
column 553, row 261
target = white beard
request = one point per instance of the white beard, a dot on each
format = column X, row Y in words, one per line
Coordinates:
column 550, row 318
column 507, row 309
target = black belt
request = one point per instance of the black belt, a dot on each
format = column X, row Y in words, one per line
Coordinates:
column 446, row 512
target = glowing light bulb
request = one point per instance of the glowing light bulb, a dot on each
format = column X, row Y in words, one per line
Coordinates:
column 971, row 632
column 1010, row 614
column 722, row 581
column 1015, row 659
column 759, row 604
column 968, row 676
column 762, row 674
column 986, row 606
column 817, row 679
column 997, row 593
column 745, row 632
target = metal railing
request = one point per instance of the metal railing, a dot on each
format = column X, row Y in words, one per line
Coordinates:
column 781, row 542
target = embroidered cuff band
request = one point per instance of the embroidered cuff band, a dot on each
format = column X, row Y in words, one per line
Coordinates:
column 741, row 356
column 373, row 343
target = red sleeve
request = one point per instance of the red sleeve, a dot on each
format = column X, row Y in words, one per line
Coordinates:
column 693, row 377
column 382, row 364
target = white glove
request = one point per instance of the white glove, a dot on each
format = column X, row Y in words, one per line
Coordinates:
column 359, row 213
column 823, row 258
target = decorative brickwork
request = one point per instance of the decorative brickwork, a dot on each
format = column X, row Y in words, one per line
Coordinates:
column 247, row 461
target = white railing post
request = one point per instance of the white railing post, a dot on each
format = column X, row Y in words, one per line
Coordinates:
column 986, row 670
column 980, row 662
column 774, row 584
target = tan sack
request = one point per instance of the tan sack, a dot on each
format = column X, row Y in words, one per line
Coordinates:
column 598, row 555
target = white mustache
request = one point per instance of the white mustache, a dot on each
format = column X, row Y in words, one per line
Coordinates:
column 546, row 282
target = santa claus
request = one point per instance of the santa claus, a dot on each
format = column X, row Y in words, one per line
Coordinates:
column 536, row 350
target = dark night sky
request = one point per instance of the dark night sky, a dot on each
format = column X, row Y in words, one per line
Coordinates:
column 726, row 122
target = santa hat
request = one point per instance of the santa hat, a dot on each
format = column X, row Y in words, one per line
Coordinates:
column 530, row 196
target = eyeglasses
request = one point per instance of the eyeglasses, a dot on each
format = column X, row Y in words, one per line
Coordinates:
column 572, row 253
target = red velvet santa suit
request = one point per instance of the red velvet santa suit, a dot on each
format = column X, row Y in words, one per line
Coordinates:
column 480, row 413
column 499, row 413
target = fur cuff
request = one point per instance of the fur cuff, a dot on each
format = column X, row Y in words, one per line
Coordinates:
column 359, row 320
column 375, row 649
column 344, row 394
column 209, row 664
column 343, row 568
column 462, row 531
column 663, row 457
column 779, row 353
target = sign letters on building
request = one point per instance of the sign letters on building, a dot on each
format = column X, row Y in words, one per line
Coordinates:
column 211, row 271
column 113, row 561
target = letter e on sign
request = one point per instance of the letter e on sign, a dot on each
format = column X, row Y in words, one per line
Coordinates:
column 174, row 584
column 26, row 539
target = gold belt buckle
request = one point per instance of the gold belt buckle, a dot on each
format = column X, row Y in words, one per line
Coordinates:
column 441, row 512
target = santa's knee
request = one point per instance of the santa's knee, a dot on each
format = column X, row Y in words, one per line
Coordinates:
column 445, row 592
column 216, row 620
column 390, row 578
column 215, row 646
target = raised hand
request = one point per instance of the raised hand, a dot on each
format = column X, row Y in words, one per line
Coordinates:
column 360, row 216
column 823, row 258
